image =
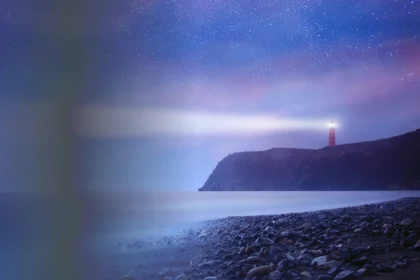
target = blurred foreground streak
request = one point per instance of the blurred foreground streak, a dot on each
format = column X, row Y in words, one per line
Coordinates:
column 43, row 210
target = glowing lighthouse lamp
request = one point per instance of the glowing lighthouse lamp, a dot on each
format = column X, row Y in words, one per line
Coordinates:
column 331, row 137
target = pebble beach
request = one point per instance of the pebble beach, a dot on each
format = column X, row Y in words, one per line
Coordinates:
column 373, row 241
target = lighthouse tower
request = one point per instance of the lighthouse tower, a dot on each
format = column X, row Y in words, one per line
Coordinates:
column 331, row 137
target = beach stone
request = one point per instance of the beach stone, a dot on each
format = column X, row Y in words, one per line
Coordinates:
column 305, row 274
column 371, row 250
column 360, row 261
column 334, row 232
column 128, row 277
column 260, row 271
column 305, row 257
column 165, row 272
column 334, row 270
column 275, row 275
column 292, row 273
column 285, row 264
column 196, row 260
column 346, row 275
column 365, row 272
column 274, row 250
column 210, row 278
column 346, row 255
column 409, row 240
column 325, row 277
column 406, row 222
column 376, row 222
column 290, row 257
column 206, row 265
column 401, row 264
column 319, row 261
column 181, row 277
column 250, row 250
column 315, row 253
column 328, row 265
column 382, row 267
column 252, row 260
column 417, row 247
column 322, row 225
column 346, row 217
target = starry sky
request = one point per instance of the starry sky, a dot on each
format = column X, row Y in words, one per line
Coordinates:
column 354, row 61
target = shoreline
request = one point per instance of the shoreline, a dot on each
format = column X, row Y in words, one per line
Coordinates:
column 351, row 242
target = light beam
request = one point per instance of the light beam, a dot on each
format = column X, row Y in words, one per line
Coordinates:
column 104, row 122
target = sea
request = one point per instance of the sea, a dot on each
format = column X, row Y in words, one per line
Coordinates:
column 155, row 214
column 37, row 232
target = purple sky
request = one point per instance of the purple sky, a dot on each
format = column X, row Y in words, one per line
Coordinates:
column 357, row 62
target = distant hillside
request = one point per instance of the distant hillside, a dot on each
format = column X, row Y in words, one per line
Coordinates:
column 392, row 163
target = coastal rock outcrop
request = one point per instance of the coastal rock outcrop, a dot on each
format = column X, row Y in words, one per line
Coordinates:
column 386, row 164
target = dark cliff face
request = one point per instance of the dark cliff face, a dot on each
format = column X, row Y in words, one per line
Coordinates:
column 392, row 163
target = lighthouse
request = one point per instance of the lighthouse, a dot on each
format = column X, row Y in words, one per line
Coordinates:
column 331, row 137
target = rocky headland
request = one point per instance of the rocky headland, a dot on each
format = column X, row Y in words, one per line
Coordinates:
column 375, row 241
column 386, row 164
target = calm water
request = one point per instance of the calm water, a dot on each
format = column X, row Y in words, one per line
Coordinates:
column 156, row 214
column 43, row 234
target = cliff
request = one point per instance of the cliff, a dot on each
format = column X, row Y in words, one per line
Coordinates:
column 392, row 163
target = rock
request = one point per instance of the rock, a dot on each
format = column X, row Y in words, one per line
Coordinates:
column 360, row 261
column 205, row 265
column 319, row 261
column 334, row 271
column 346, row 255
column 210, row 278
column 409, row 240
column 365, row 272
column 322, row 225
column 196, row 260
column 260, row 271
column 357, row 230
column 328, row 265
column 334, row 232
column 406, row 242
column 290, row 257
column 264, row 241
column 250, row 250
column 252, row 260
column 305, row 274
column 305, row 257
column 275, row 275
column 401, row 264
column 285, row 264
column 417, row 247
column 293, row 274
column 346, row 217
column 181, row 277
column 325, row 277
column 128, row 277
column 371, row 250
column 274, row 250
column 376, row 222
column 382, row 267
column 165, row 272
column 316, row 253
column 406, row 222
column 346, row 275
